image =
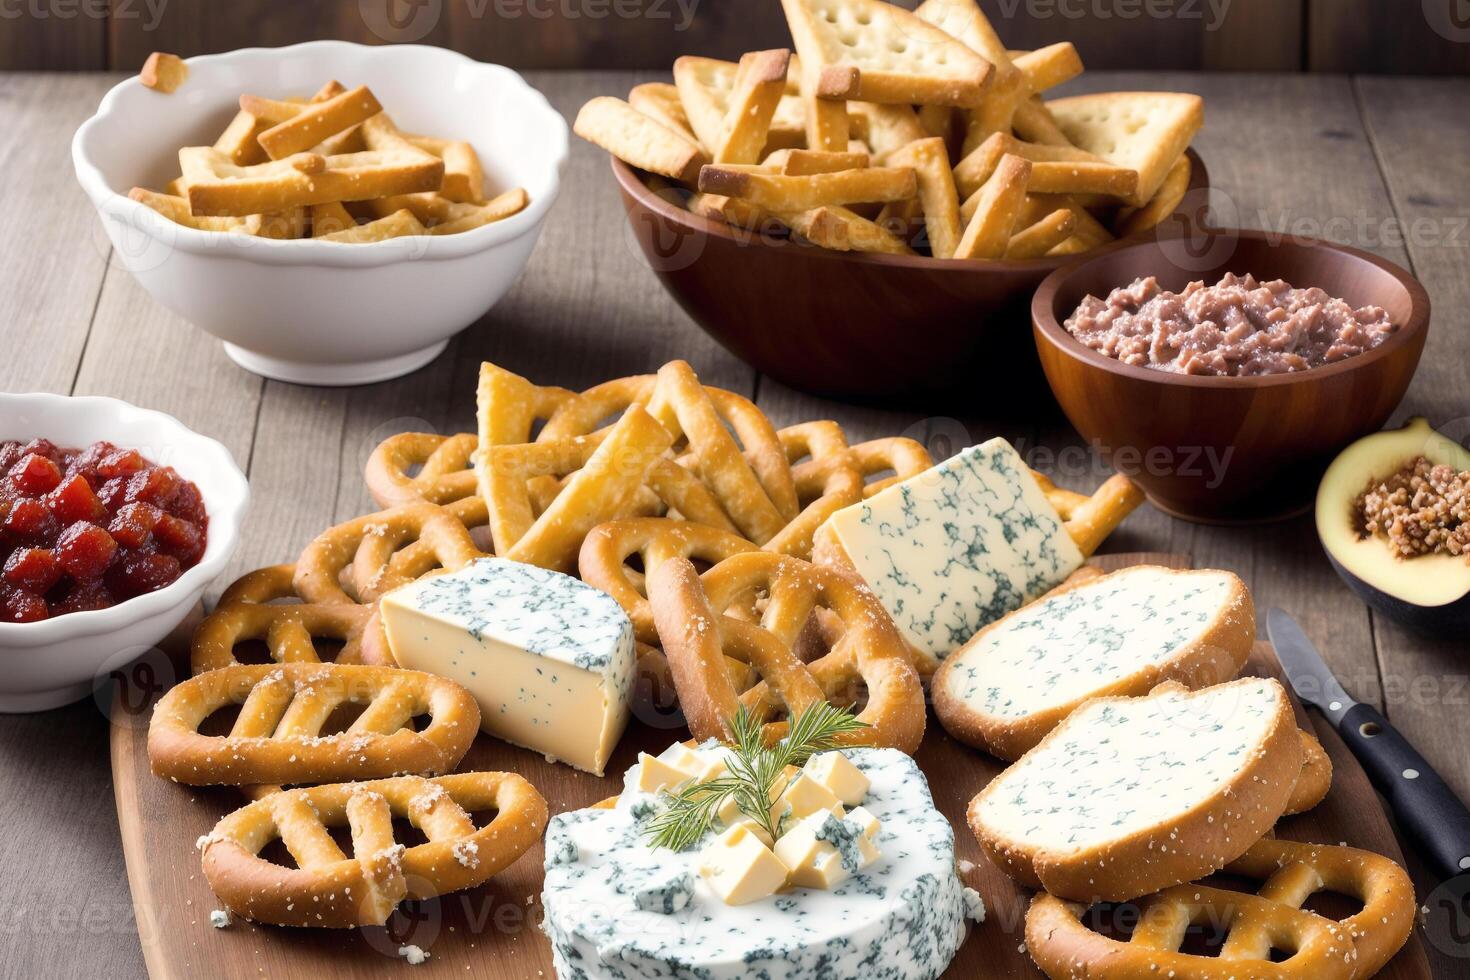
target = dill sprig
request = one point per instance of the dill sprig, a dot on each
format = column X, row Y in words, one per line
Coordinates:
column 753, row 771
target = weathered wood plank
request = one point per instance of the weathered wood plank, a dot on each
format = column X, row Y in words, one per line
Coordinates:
column 1427, row 681
column 1414, row 37
column 57, row 36
column 54, row 247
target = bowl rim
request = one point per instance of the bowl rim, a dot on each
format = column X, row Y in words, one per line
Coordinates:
column 634, row 186
column 307, row 251
column 226, row 509
column 1047, row 328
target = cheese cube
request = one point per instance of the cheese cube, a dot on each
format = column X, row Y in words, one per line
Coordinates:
column 805, row 796
column 664, row 893
column 548, row 658
column 836, row 773
column 749, row 823
column 958, row 546
column 729, row 811
column 701, row 765
column 739, row 868
column 823, row 851
column 864, row 821
column 655, row 774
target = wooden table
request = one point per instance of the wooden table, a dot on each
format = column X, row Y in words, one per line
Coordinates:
column 1381, row 163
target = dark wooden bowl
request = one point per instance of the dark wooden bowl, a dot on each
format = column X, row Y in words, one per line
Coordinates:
column 861, row 327
column 1230, row 450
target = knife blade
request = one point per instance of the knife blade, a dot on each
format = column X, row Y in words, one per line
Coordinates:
column 1425, row 805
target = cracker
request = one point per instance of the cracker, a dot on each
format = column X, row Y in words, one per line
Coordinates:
column 400, row 224
column 890, row 127
column 309, row 124
column 1041, row 237
column 1165, row 200
column 998, row 206
column 938, row 198
column 660, row 101
column 464, row 178
column 1050, row 66
column 801, row 163
column 1143, row 131
column 164, row 72
column 781, row 193
column 760, row 83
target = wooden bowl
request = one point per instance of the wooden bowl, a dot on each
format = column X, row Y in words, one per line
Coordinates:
column 838, row 324
column 1220, row 449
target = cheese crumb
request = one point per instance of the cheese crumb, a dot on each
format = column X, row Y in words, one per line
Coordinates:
column 974, row 905
column 413, row 954
column 220, row 918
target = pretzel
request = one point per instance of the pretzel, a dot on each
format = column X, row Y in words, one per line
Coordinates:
column 1090, row 519
column 290, row 633
column 329, row 889
column 285, row 708
column 1274, row 919
column 696, row 630
column 1315, row 782
column 444, row 467
column 361, row 553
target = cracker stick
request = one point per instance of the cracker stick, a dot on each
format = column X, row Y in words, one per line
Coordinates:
column 843, row 230
column 967, row 22
column 731, row 210
column 828, row 126
column 893, row 57
column 890, row 127
column 350, row 140
column 464, row 178
column 639, row 140
column 760, row 82
column 1084, row 177
column 467, row 217
column 803, row 163
column 1134, row 221
column 400, row 224
column 430, row 207
column 314, row 122
column 660, row 101
column 176, row 188
column 240, row 140
column 1000, row 202
column 330, row 218
column 1050, row 66
column 938, row 199
column 164, row 72
column 937, row 120
column 176, row 209
column 1043, row 236
column 1034, row 123
column 780, row 193
column 284, row 225
column 975, row 169
column 217, row 186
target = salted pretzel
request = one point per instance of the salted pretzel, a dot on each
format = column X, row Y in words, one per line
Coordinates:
column 1272, row 919
column 692, row 613
column 443, row 468
column 283, row 733
column 830, row 475
column 330, row 889
column 1090, row 519
column 1315, row 782
column 290, row 633
column 355, row 561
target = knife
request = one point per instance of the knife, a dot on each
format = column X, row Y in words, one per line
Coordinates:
column 1425, row 806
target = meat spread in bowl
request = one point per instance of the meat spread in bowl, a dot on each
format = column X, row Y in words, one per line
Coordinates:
column 1239, row 327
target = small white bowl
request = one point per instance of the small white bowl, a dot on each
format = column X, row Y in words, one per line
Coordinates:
column 54, row 662
column 312, row 312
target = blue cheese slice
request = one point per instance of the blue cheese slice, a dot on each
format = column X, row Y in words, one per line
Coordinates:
column 1081, row 642
column 550, row 659
column 957, row 547
column 902, row 916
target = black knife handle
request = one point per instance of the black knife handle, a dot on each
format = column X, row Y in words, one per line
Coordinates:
column 1425, row 806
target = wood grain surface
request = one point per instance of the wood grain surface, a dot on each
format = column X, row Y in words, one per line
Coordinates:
column 1234, row 35
column 1352, row 157
column 491, row 932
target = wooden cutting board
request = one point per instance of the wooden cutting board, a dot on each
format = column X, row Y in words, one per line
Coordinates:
column 492, row 932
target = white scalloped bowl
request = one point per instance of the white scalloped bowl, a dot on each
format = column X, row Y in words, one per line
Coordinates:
column 315, row 312
column 54, row 662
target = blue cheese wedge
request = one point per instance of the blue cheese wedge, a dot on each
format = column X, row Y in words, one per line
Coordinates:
column 957, row 547
column 1118, row 634
column 897, row 912
column 549, row 659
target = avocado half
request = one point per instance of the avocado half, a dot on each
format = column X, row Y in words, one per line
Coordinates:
column 1430, row 593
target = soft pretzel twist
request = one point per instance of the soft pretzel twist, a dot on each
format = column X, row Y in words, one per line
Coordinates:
column 284, row 710
column 1320, row 949
column 331, row 889
column 695, row 625
column 290, row 633
column 442, row 465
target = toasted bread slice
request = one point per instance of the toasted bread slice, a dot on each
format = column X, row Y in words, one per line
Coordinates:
column 877, row 52
column 639, row 140
column 1119, row 634
column 1142, row 131
column 1133, row 795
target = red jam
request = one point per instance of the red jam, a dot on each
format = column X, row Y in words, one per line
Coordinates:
column 90, row 528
